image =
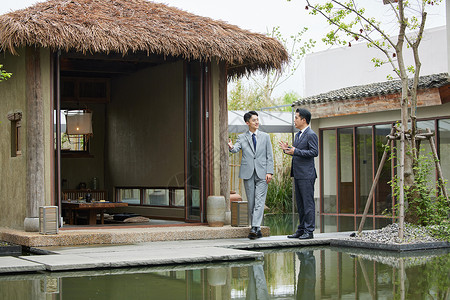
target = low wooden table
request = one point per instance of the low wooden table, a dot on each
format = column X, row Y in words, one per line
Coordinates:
column 93, row 209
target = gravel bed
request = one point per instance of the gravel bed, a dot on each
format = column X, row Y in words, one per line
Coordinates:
column 389, row 235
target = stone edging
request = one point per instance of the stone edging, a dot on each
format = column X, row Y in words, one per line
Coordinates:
column 389, row 247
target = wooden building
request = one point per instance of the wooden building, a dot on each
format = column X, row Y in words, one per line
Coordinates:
column 151, row 78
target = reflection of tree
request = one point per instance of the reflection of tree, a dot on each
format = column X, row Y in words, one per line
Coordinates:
column 279, row 268
column 433, row 278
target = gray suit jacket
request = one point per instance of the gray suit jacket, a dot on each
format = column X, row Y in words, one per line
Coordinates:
column 260, row 160
column 306, row 148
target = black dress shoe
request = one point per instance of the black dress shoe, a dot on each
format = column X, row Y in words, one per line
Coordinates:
column 253, row 235
column 258, row 234
column 306, row 236
column 296, row 235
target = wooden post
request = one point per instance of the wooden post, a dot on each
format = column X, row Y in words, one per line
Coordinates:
column 223, row 136
column 374, row 184
column 35, row 137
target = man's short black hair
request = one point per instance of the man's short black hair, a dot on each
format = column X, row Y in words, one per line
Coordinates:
column 304, row 114
column 249, row 115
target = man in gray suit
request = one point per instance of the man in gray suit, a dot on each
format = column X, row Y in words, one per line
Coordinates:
column 256, row 169
column 303, row 151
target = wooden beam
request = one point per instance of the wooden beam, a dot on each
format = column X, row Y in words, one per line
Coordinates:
column 140, row 57
column 99, row 66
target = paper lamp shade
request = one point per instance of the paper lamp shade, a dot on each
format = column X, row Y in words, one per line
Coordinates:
column 79, row 123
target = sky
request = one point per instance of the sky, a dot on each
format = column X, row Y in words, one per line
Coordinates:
column 262, row 15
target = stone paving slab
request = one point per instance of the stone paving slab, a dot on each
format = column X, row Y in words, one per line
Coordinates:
column 58, row 262
column 236, row 243
column 158, row 256
column 164, row 256
column 9, row 264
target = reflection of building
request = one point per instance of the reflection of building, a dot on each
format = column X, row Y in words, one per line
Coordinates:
column 352, row 123
column 155, row 80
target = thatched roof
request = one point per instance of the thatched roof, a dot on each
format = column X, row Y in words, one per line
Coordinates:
column 127, row 26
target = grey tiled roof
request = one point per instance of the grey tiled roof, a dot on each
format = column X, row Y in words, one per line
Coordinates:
column 374, row 89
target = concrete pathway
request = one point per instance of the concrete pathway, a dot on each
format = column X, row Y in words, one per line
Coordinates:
column 154, row 253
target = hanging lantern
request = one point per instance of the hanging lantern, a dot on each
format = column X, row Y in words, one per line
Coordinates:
column 79, row 123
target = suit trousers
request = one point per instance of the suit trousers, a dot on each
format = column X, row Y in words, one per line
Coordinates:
column 256, row 191
column 304, row 196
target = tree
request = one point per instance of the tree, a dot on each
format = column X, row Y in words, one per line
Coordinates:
column 348, row 19
column 259, row 93
column 296, row 49
column 3, row 74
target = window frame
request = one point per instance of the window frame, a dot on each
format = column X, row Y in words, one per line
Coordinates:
column 374, row 216
column 142, row 193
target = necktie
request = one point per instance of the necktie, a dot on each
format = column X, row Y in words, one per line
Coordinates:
column 298, row 136
column 254, row 141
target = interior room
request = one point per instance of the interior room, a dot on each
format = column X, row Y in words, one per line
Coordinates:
column 129, row 113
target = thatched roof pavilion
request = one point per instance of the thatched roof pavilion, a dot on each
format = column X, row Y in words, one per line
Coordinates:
column 128, row 26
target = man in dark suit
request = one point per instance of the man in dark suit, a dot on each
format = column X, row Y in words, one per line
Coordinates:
column 303, row 151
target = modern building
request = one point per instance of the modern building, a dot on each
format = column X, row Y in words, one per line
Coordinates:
column 352, row 125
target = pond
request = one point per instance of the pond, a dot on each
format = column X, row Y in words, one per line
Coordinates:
column 288, row 273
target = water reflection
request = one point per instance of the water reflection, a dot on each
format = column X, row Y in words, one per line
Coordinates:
column 300, row 273
column 257, row 286
column 306, row 283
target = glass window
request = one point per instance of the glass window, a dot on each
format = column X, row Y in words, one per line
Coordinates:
column 383, row 192
column 130, row 196
column 425, row 149
column 346, row 223
column 329, row 171
column 329, row 223
column 71, row 142
column 179, row 197
column 444, row 147
column 346, row 186
column 368, row 223
column 364, row 166
column 156, row 197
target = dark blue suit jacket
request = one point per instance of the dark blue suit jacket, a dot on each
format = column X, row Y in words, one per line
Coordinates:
column 306, row 148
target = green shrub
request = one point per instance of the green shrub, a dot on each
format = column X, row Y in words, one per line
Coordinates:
column 427, row 206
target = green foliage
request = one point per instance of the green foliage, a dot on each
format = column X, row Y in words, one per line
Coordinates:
column 251, row 97
column 426, row 204
column 258, row 93
column 279, row 193
column 242, row 97
column 3, row 74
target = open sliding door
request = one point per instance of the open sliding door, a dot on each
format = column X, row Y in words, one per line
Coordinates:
column 197, row 140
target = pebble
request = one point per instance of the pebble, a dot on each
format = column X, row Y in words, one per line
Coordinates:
column 389, row 235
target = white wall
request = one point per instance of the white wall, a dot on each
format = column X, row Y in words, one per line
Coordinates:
column 351, row 66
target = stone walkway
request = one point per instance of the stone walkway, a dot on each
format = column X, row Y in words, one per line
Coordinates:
column 154, row 253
